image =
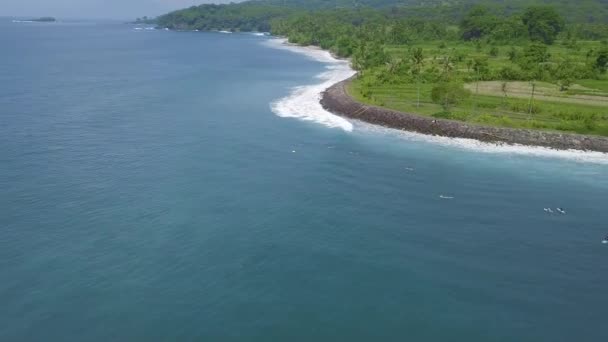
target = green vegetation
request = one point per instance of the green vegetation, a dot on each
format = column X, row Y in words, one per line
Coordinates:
column 144, row 20
column 535, row 86
column 246, row 16
column 524, row 64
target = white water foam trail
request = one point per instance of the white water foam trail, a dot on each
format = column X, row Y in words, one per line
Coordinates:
column 303, row 102
column 491, row 148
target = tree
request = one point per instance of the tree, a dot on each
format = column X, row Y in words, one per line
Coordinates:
column 533, row 84
column 543, row 23
column 393, row 65
column 417, row 59
column 601, row 62
column 480, row 66
column 470, row 63
column 565, row 74
column 369, row 55
column 512, row 54
column 448, row 94
column 477, row 23
column 503, row 88
column 534, row 55
column 446, row 68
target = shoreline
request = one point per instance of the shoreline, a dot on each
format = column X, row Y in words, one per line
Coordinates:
column 335, row 105
column 336, row 99
column 303, row 102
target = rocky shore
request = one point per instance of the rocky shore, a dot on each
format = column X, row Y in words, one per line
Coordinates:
column 336, row 100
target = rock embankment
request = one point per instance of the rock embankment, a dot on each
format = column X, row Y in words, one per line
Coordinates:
column 336, row 100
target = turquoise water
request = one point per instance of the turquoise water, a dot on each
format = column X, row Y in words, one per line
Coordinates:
column 150, row 193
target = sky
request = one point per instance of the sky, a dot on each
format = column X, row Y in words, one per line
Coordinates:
column 83, row 9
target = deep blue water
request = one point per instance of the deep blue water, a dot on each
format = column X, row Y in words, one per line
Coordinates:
column 148, row 193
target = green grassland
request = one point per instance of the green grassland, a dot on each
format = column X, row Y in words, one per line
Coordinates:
column 582, row 107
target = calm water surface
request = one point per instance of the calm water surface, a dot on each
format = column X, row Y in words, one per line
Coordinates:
column 148, row 193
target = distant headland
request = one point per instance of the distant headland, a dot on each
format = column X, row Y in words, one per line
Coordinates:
column 45, row 19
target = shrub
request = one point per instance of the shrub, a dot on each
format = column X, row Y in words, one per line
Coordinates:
column 442, row 115
column 513, row 54
column 448, row 94
column 487, row 105
column 521, row 108
column 601, row 62
column 510, row 74
column 460, row 116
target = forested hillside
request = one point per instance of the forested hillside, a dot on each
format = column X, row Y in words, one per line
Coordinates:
column 257, row 14
column 581, row 10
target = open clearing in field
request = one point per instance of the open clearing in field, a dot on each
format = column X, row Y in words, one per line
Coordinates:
column 493, row 108
column 577, row 94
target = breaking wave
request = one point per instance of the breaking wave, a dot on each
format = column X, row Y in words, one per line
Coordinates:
column 303, row 101
column 490, row 148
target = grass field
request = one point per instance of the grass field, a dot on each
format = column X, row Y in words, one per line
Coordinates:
column 559, row 113
column 582, row 108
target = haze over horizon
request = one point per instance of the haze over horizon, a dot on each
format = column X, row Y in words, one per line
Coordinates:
column 96, row 9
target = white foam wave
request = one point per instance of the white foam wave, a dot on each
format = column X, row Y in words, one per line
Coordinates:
column 23, row 21
column 491, row 148
column 303, row 102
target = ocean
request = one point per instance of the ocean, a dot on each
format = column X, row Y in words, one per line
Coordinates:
column 187, row 186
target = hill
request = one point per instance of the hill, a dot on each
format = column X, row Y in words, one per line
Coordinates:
column 256, row 15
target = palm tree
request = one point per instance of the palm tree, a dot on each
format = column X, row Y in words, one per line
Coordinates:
column 480, row 66
column 418, row 61
column 531, row 103
column 470, row 63
column 392, row 65
column 503, row 87
column 447, row 67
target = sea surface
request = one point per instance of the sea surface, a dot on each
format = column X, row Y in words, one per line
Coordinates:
column 186, row 186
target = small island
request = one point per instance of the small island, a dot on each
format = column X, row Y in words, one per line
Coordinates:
column 45, row 20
